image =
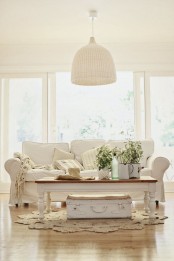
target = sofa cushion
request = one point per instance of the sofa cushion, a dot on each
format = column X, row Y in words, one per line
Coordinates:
column 89, row 173
column 66, row 164
column 89, row 159
column 35, row 174
column 79, row 146
column 62, row 155
column 145, row 172
column 42, row 153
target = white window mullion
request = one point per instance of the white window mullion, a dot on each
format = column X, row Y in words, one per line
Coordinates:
column 52, row 133
column 137, row 105
column 45, row 109
column 147, row 106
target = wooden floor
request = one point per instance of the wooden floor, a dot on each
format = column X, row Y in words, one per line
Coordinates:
column 18, row 243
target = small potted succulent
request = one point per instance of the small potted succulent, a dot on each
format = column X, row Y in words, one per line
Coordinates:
column 103, row 162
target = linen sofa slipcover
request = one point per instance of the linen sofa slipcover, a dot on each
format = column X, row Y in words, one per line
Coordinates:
column 42, row 153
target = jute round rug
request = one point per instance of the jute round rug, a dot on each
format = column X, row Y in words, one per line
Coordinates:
column 57, row 221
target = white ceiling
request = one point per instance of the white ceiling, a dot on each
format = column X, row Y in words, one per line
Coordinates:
column 66, row 21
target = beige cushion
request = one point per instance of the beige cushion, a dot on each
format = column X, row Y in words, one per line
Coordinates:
column 80, row 146
column 66, row 164
column 62, row 155
column 34, row 174
column 89, row 173
column 42, row 153
column 89, row 159
column 99, row 196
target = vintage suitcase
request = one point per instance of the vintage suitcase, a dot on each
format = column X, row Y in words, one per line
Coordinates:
column 98, row 206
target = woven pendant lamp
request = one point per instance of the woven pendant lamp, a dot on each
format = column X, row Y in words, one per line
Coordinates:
column 93, row 64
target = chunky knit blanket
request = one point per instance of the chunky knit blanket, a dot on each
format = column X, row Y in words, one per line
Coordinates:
column 26, row 164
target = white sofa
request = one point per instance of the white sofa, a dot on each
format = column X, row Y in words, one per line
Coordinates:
column 42, row 153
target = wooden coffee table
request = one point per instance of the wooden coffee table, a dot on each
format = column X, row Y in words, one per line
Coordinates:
column 145, row 183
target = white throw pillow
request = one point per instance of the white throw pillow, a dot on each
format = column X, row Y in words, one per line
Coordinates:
column 66, row 164
column 89, row 159
column 62, row 155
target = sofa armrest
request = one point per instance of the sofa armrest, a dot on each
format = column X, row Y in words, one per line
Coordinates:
column 158, row 165
column 13, row 167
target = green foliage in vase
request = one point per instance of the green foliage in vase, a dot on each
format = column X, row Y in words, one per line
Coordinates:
column 104, row 158
column 131, row 153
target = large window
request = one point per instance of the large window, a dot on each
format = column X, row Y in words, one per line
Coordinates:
column 154, row 109
column 162, row 119
column 48, row 108
column 95, row 111
column 25, row 106
column 22, row 113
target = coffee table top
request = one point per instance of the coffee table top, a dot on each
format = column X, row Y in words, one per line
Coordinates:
column 145, row 179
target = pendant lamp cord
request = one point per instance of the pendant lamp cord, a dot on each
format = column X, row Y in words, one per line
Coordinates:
column 92, row 16
column 92, row 27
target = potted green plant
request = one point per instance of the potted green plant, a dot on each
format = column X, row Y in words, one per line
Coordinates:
column 123, row 166
column 103, row 161
column 135, row 154
column 121, row 155
column 129, row 158
column 134, row 151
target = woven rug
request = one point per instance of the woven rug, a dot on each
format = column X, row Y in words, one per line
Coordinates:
column 57, row 221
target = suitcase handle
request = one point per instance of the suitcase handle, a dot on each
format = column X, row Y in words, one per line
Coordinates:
column 98, row 210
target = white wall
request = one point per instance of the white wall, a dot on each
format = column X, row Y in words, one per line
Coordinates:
column 58, row 57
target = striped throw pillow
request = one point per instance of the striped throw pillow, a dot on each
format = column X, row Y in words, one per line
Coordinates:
column 89, row 159
column 66, row 164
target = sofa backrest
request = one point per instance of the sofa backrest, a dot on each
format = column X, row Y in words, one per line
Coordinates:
column 147, row 147
column 77, row 147
column 42, row 153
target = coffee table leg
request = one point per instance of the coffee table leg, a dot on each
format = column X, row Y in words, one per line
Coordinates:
column 152, row 205
column 41, row 206
column 146, row 201
column 48, row 207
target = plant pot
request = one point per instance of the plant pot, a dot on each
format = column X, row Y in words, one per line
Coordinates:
column 104, row 174
column 123, row 171
column 134, row 170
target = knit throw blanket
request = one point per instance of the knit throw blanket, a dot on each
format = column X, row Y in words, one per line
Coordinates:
column 26, row 164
